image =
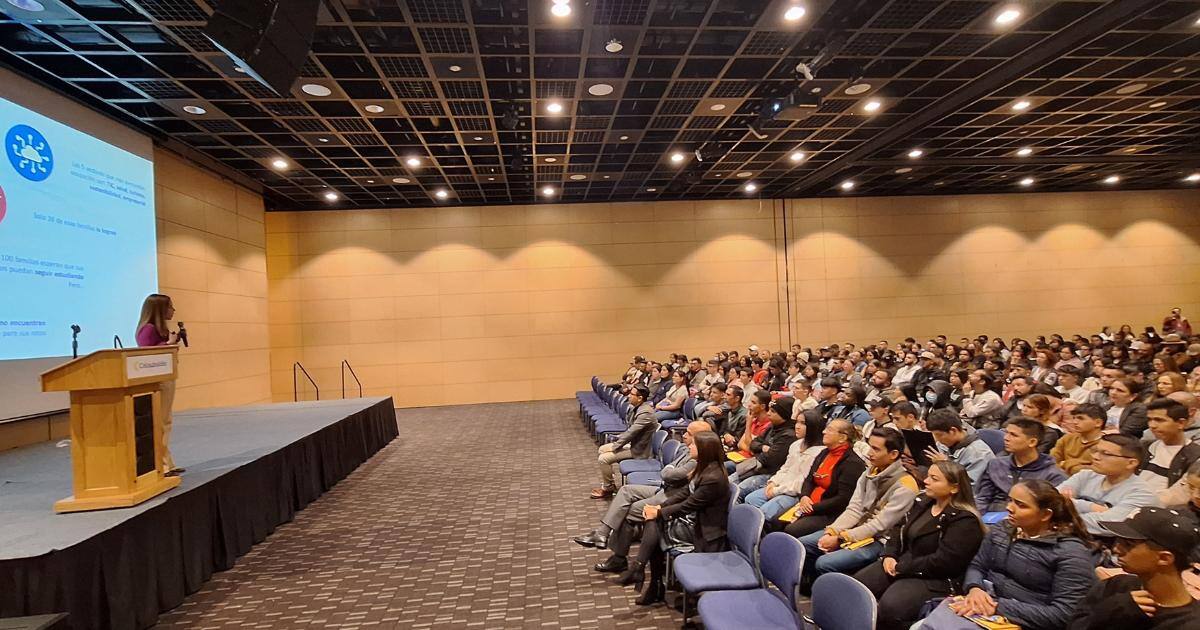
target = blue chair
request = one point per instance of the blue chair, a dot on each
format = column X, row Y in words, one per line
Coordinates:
column 840, row 602
column 666, row 455
column 654, row 463
column 781, row 561
column 732, row 570
column 994, row 438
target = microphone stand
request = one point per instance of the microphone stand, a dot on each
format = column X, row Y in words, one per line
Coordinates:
column 75, row 329
column 117, row 342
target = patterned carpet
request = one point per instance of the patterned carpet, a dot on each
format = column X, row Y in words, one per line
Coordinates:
column 464, row 521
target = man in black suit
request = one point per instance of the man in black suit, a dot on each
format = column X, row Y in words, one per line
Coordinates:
column 634, row 443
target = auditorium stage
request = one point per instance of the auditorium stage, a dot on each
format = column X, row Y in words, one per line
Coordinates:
column 249, row 469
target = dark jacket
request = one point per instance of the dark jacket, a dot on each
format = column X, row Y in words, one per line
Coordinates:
column 640, row 434
column 1179, row 464
column 843, row 479
column 991, row 491
column 709, row 501
column 1108, row 606
column 780, row 439
column 1036, row 582
column 1133, row 420
column 675, row 474
column 938, row 552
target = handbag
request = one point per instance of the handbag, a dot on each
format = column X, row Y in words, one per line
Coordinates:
column 748, row 467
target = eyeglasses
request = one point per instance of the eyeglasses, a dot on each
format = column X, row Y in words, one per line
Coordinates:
column 1103, row 454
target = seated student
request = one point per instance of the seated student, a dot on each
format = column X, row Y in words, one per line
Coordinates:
column 1110, row 490
column 770, row 449
column 713, row 408
column 1170, row 454
column 783, row 488
column 756, row 424
column 734, row 422
column 1126, row 414
column 634, row 443
column 802, row 394
column 850, row 406
column 1073, row 451
column 1193, row 485
column 746, row 380
column 982, row 405
column 879, row 410
column 625, row 511
column 1040, row 408
column 1069, row 378
column 827, row 396
column 1020, row 388
column 928, row 552
column 712, row 376
column 1033, row 569
column 671, row 406
column 882, row 496
column 958, row 443
column 692, row 521
column 1021, row 462
column 828, row 488
column 1153, row 547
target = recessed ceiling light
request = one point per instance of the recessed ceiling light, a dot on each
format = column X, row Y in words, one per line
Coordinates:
column 239, row 69
column 370, row 181
column 478, row 138
column 322, row 139
column 1112, row 179
column 578, row 177
column 1129, row 150
column 548, row 191
column 614, row 46
column 374, row 109
column 1024, row 152
column 1178, row 70
column 550, row 159
column 872, row 105
column 600, row 89
column 847, row 185
column 676, row 157
column 491, row 179
column 939, row 183
column 624, row 137
column 858, row 88
column 561, row 10
column 413, row 162
column 903, row 170
column 556, row 107
column 797, row 156
column 1130, row 89
column 651, row 190
column 400, row 180
column 915, row 153
column 1194, row 177
column 1028, row 181
column 455, row 68
column 331, row 196
column 1157, row 104
column 441, row 194
column 1021, row 106
column 195, row 109
column 606, row 177
column 279, row 163
column 1007, row 16
column 717, row 107
column 751, row 187
column 793, row 13
column 745, row 174
column 315, row 89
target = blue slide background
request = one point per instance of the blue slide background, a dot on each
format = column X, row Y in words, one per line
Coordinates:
column 77, row 237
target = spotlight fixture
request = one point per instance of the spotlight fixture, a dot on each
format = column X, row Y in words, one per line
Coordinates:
column 279, row 164
column 1194, row 177
column 651, row 190
column 623, row 138
column 1024, row 152
column 600, row 89
column 322, row 139
column 1112, row 179
column 677, row 157
column 315, row 89
column 548, row 190
column 561, row 8
column 1021, row 105
column 400, row 180
column 374, row 109
column 847, row 185
column 1007, row 16
column 794, row 13
column 614, row 46
column 915, row 153
column 1028, row 181
column 413, row 162
column 441, row 194
column 455, row 68
column 195, row 110
column 555, row 107
column 331, row 196
column 751, row 187
column 872, row 106
column 797, row 156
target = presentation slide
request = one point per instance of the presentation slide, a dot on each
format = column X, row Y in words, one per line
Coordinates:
column 77, row 238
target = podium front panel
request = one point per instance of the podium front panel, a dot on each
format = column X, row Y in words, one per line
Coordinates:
column 143, row 433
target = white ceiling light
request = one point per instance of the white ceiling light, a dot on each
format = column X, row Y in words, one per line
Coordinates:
column 548, row 190
column 858, row 88
column 1112, row 179
column 1028, row 181
column 677, row 157
column 400, row 180
column 279, row 164
column 1007, row 16
column 561, row 10
column 578, row 177
column 33, row 6
column 745, row 174
column 478, row 138
column 600, row 89
column 903, row 170
column 331, row 196
column 374, row 109
column 1194, row 177
column 456, row 68
column 614, row 46
column 315, row 89
column 751, row 187
column 1024, row 152
column 872, row 105
column 793, row 13
column 624, row 137
column 848, row 185
column 555, row 107
column 550, row 159
column 370, row 181
column 413, row 162
column 606, row 177
column 717, row 107
column 195, row 109
column 1021, row 106
column 915, row 153
column 441, row 194
column 322, row 139
column 491, row 179
column 1130, row 89
column 797, row 156
column 239, row 70
column 1157, row 104
column 651, row 190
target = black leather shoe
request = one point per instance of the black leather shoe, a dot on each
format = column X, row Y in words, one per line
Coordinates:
column 592, row 539
column 635, row 575
column 614, row 564
column 654, row 593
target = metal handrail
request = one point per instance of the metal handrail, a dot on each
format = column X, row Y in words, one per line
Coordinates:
column 296, row 384
column 346, row 366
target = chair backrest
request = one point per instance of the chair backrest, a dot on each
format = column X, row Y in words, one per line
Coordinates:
column 994, row 438
column 840, row 602
column 781, row 561
column 689, row 409
column 656, row 442
column 733, row 496
column 745, row 528
column 669, row 450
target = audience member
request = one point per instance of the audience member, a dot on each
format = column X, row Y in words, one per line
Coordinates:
column 756, row 424
column 783, row 489
column 1126, row 414
column 735, row 419
column 828, row 488
column 1040, row 407
column 634, row 443
column 1021, row 462
column 958, row 443
column 671, row 406
column 1111, row 489
column 1170, row 453
column 770, row 450
column 1073, row 451
column 981, row 405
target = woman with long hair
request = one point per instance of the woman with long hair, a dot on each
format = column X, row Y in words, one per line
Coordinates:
column 1168, row 383
column 1041, row 408
column 928, row 552
column 157, row 310
column 1043, row 369
column 692, row 521
column 783, row 488
column 1033, row 569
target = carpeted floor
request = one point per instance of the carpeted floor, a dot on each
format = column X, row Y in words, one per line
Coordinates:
column 462, row 522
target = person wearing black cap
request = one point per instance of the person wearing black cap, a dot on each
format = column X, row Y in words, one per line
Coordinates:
column 1153, row 544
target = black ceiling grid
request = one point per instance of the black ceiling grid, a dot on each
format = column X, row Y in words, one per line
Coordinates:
column 1123, row 101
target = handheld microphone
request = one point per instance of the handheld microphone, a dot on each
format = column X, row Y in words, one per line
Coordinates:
column 182, row 334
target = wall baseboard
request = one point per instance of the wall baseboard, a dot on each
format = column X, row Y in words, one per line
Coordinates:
column 34, row 430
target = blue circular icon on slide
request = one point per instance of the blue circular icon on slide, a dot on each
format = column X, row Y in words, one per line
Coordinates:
column 29, row 153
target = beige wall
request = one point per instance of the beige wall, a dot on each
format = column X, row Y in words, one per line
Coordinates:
column 448, row 305
column 211, row 261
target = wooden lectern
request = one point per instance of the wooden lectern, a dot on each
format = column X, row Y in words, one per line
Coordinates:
column 116, row 425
